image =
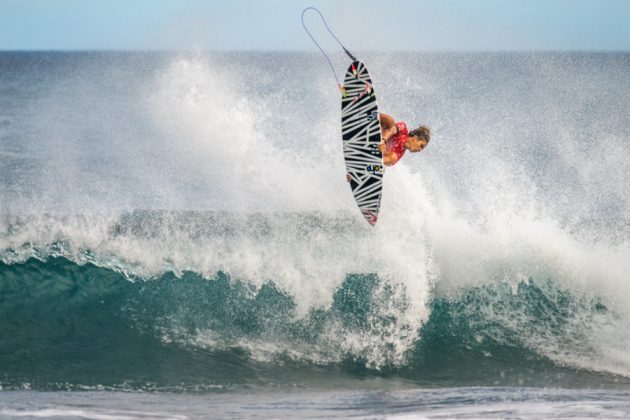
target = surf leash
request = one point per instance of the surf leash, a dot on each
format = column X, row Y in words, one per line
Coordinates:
column 332, row 68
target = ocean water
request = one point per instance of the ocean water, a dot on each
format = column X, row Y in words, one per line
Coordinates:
column 177, row 239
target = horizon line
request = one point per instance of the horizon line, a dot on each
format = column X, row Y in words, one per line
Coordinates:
column 205, row 50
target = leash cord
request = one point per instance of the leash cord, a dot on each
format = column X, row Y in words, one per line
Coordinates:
column 332, row 68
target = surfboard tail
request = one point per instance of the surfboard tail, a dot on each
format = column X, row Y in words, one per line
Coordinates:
column 370, row 217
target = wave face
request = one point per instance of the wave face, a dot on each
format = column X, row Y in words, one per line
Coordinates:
column 70, row 326
column 181, row 235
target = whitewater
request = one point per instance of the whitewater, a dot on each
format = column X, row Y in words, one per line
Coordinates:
column 180, row 224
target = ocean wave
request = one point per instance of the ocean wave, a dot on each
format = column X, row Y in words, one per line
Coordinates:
column 71, row 326
column 500, row 255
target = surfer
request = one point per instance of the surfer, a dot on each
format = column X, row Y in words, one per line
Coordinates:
column 396, row 139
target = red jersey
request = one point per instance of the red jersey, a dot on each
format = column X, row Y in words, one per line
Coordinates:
column 397, row 142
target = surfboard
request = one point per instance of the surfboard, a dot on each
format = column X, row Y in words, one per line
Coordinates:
column 361, row 133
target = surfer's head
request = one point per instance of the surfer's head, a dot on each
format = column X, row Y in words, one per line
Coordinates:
column 418, row 139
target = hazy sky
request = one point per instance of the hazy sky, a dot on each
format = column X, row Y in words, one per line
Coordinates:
column 275, row 24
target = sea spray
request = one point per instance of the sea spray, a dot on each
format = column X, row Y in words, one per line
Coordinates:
column 199, row 210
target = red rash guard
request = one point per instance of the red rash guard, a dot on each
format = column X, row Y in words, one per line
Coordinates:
column 397, row 142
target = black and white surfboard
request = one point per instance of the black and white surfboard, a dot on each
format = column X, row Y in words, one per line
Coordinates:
column 361, row 134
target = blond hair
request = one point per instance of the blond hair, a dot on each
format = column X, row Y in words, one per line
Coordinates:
column 423, row 132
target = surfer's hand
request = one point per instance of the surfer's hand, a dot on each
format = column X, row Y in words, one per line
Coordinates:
column 348, row 177
column 381, row 147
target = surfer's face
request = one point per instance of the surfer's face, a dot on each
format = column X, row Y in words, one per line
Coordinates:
column 415, row 144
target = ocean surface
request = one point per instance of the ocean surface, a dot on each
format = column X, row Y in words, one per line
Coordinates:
column 177, row 238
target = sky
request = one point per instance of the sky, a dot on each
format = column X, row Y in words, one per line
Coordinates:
column 416, row 25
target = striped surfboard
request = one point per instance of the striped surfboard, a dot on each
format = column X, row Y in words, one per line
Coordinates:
column 361, row 135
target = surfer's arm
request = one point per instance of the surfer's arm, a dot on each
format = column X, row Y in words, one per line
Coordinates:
column 388, row 126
